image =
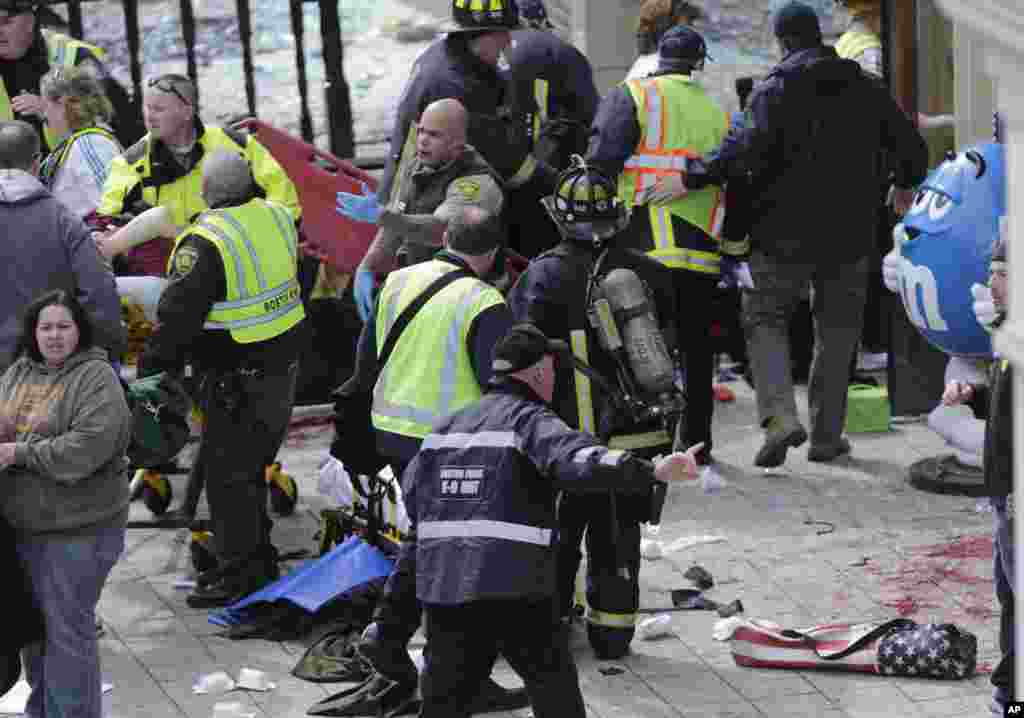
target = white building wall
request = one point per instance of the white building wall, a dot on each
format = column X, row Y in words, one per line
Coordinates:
column 1000, row 26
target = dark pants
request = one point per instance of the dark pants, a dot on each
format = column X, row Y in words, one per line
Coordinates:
column 247, row 415
column 463, row 641
column 613, row 568
column 837, row 304
column 1002, row 676
column 695, row 292
column 916, row 371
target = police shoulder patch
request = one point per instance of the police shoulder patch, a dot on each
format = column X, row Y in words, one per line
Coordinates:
column 469, row 189
column 184, row 261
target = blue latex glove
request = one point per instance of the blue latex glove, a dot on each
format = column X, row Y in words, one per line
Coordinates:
column 359, row 207
column 365, row 291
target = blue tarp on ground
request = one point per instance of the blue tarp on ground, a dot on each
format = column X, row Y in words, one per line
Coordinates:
column 345, row 567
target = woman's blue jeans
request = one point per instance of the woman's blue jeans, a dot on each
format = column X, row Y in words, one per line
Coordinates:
column 67, row 574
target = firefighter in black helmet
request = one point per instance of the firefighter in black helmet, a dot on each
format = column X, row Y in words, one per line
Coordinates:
column 463, row 65
column 559, row 293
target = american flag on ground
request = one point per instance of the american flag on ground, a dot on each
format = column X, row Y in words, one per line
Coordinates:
column 928, row 651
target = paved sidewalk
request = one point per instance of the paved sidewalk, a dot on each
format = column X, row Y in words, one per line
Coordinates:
column 881, row 558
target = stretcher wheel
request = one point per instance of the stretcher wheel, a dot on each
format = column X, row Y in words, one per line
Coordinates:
column 203, row 558
column 156, row 492
column 284, row 492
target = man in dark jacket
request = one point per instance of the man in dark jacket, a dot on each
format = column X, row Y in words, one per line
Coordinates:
column 561, row 81
column 445, row 175
column 464, row 65
column 813, row 149
column 481, row 497
column 45, row 247
column 557, row 293
column 996, row 402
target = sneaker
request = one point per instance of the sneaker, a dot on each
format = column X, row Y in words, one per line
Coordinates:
column 829, row 453
column 779, row 438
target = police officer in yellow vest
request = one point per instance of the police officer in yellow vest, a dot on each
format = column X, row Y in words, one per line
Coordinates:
column 27, row 52
column 232, row 309
column 164, row 168
column 644, row 132
column 862, row 41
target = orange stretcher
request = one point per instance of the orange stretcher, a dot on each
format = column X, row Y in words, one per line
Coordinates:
column 318, row 177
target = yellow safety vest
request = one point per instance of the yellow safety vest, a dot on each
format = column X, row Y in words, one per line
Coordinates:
column 258, row 246
column 429, row 373
column 183, row 196
column 677, row 121
column 61, row 51
column 854, row 43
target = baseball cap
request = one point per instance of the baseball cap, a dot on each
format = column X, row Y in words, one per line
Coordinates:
column 681, row 47
column 797, row 20
column 522, row 347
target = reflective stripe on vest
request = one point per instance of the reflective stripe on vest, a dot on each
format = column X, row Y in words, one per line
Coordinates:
column 483, row 528
column 647, row 440
column 541, row 89
column 854, row 43
column 258, row 253
column 429, row 373
column 610, row 620
column 584, row 395
column 677, row 121
column 668, row 253
column 483, row 439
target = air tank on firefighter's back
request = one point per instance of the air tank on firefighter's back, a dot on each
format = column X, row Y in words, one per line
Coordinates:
column 644, row 343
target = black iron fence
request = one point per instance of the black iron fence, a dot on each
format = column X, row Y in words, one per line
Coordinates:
column 336, row 90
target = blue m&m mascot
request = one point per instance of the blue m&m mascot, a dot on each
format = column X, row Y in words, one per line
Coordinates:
column 943, row 247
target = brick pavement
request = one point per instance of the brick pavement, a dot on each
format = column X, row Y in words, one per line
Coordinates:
column 776, row 564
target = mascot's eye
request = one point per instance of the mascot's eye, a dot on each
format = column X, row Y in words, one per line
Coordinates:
column 939, row 206
column 920, row 201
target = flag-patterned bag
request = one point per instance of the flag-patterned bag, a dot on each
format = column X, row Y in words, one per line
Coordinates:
column 898, row 647
column 928, row 650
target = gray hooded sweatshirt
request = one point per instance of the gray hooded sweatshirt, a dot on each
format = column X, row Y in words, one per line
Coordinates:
column 44, row 247
column 71, row 427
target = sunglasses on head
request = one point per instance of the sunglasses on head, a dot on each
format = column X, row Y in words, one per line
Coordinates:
column 165, row 83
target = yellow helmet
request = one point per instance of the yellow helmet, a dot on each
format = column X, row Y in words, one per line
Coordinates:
column 485, row 15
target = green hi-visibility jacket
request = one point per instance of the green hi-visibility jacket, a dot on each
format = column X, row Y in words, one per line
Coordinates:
column 429, row 373
column 678, row 120
column 258, row 245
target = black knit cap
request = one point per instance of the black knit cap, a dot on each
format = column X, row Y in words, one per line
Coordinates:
column 797, row 20
column 522, row 347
